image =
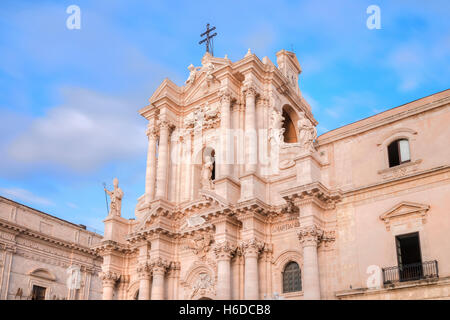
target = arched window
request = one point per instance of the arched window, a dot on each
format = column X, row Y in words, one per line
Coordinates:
column 289, row 134
column 292, row 280
column 398, row 152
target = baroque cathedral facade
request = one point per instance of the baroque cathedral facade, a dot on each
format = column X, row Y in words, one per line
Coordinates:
column 243, row 200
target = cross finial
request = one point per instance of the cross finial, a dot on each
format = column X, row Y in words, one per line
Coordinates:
column 208, row 39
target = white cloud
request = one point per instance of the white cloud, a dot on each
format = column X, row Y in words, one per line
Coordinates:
column 88, row 130
column 24, row 195
column 415, row 64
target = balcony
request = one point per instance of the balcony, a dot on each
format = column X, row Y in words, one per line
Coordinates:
column 411, row 272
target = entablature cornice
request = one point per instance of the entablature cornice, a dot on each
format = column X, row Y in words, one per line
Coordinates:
column 441, row 173
column 22, row 231
column 315, row 193
column 151, row 232
column 254, row 206
column 107, row 247
column 366, row 125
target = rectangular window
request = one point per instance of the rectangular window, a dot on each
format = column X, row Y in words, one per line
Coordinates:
column 409, row 257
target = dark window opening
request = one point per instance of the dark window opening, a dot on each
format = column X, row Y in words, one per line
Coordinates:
column 292, row 280
column 398, row 152
column 38, row 293
column 213, row 171
column 289, row 134
column 409, row 256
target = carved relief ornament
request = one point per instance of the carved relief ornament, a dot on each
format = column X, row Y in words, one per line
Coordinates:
column 252, row 247
column 310, row 235
column 201, row 244
column 224, row 250
column 109, row 278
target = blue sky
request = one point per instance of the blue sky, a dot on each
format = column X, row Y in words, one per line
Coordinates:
column 69, row 98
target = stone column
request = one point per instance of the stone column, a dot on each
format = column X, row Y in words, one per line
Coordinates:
column 225, row 125
column 251, row 140
column 176, row 266
column 251, row 250
column 144, row 273
column 109, row 280
column 150, row 174
column 224, row 252
column 159, row 268
column 7, row 263
column 309, row 238
column 163, row 159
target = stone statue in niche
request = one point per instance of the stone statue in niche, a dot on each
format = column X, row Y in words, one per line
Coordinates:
column 116, row 196
column 307, row 133
column 206, row 180
column 276, row 129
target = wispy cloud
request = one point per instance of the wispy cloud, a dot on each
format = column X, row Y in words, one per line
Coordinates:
column 88, row 130
column 415, row 64
column 25, row 195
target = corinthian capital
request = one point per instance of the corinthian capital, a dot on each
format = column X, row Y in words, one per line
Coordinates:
column 224, row 250
column 249, row 90
column 152, row 132
column 144, row 270
column 310, row 235
column 225, row 95
column 165, row 125
column 159, row 266
column 109, row 278
column 252, row 247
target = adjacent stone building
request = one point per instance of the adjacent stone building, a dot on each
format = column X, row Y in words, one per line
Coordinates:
column 243, row 200
column 43, row 257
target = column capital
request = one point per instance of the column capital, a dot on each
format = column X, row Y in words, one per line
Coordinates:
column 225, row 95
column 109, row 278
column 165, row 125
column 250, row 90
column 252, row 247
column 224, row 250
column 144, row 271
column 174, row 267
column 310, row 235
column 159, row 266
column 152, row 132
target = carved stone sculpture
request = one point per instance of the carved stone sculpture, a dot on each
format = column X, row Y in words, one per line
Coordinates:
column 207, row 168
column 276, row 129
column 203, row 286
column 201, row 244
column 116, row 196
column 307, row 133
column 192, row 75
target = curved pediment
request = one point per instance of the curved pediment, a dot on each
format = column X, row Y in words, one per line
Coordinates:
column 158, row 208
column 42, row 274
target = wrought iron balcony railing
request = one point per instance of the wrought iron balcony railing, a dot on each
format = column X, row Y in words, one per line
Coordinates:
column 410, row 272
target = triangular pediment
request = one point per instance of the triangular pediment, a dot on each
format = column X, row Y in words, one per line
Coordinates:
column 405, row 210
column 199, row 89
column 167, row 89
column 203, row 87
